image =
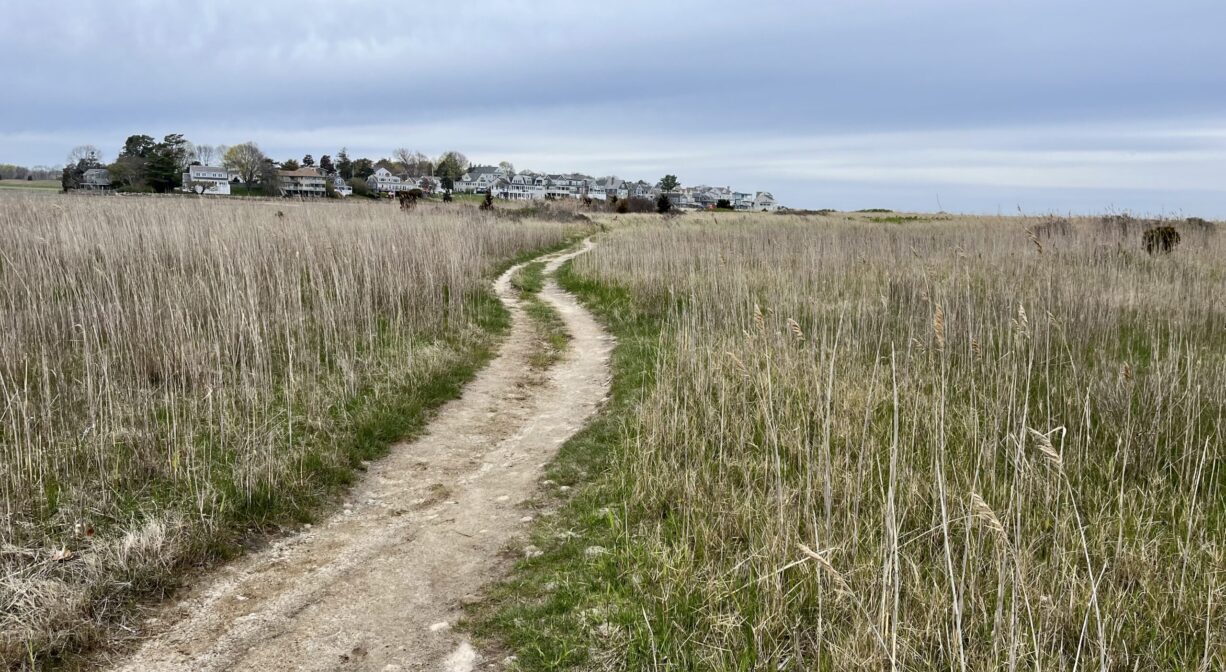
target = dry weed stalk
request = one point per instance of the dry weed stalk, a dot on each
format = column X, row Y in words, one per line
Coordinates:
column 938, row 327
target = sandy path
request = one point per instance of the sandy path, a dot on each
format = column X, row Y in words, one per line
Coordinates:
column 378, row 585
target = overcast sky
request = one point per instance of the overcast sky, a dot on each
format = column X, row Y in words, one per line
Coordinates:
column 962, row 105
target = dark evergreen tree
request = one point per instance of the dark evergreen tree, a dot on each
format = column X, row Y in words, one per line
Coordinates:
column 363, row 168
column 270, row 180
column 668, row 183
column 343, row 165
column 138, row 145
column 69, row 179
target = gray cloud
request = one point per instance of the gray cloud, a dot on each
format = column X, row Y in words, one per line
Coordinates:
column 1089, row 103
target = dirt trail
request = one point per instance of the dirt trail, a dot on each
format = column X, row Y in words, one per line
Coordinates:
column 379, row 585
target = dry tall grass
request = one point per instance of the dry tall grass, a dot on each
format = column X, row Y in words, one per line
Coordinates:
column 976, row 444
column 171, row 366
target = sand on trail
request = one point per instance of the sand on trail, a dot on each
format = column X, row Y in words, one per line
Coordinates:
column 380, row 584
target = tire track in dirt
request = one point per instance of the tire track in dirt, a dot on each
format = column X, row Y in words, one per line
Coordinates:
column 378, row 585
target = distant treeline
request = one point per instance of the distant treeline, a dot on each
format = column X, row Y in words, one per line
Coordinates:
column 9, row 171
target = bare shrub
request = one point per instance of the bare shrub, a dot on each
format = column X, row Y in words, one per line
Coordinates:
column 635, row 205
column 1053, row 227
column 1161, row 239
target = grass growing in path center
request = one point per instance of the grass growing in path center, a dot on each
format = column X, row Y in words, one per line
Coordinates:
column 555, row 609
column 551, row 335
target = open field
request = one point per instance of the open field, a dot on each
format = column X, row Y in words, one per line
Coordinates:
column 930, row 443
column 834, row 442
column 30, row 184
column 178, row 372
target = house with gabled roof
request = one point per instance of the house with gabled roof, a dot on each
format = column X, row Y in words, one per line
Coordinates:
column 604, row 187
column 522, row 186
column 763, row 201
column 427, row 183
column 572, row 185
column 638, row 189
column 340, row 185
column 479, row 179
column 211, row 180
column 96, row 179
column 384, row 182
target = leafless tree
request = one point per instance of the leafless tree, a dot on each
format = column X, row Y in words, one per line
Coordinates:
column 84, row 153
column 206, row 154
column 415, row 163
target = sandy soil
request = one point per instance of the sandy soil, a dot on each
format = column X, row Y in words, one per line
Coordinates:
column 380, row 585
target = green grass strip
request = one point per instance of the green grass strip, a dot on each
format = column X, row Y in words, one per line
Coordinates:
column 554, row 610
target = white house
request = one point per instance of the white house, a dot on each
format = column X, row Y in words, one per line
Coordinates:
column 427, row 183
column 604, row 187
column 383, row 181
column 679, row 199
column 764, row 202
column 742, row 200
column 480, row 179
column 341, row 186
column 210, row 180
column 521, row 187
column 572, row 186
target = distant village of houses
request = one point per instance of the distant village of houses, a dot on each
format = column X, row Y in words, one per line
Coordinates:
column 499, row 182
column 494, row 180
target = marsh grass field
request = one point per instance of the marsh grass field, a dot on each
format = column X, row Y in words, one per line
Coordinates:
column 925, row 443
column 178, row 373
column 837, row 441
